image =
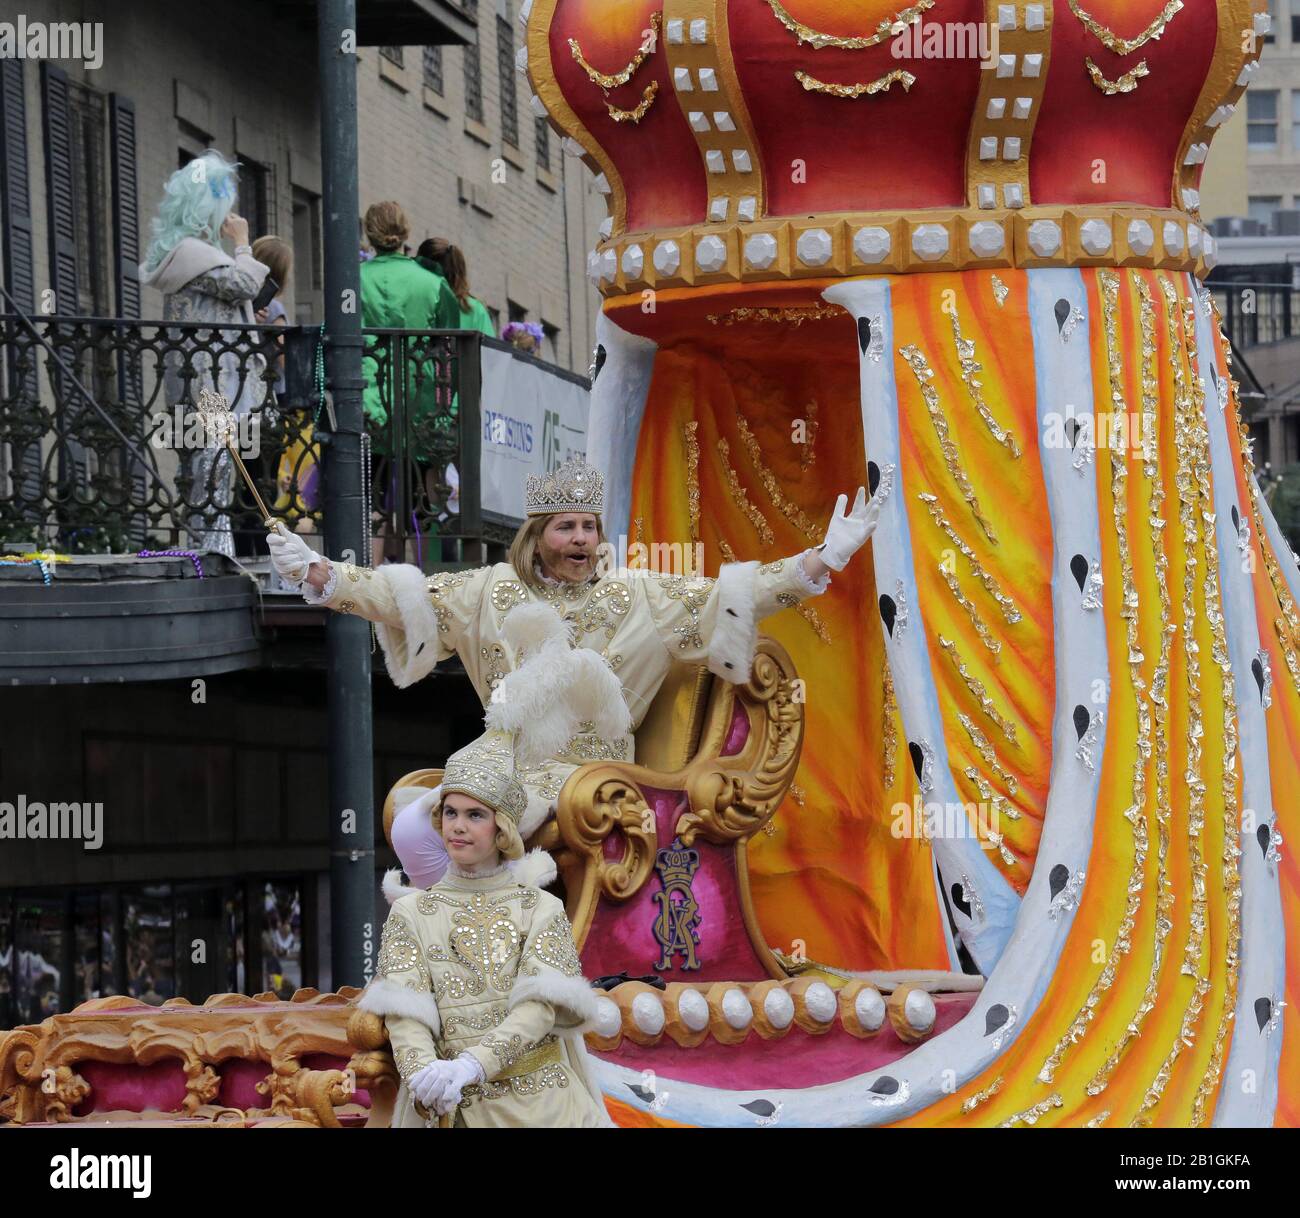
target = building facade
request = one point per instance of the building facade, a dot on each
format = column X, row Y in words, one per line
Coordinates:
column 444, row 130
column 213, row 874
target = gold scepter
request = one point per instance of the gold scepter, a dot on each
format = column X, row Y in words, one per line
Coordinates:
column 219, row 422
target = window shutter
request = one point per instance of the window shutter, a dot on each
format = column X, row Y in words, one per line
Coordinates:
column 15, row 192
column 24, row 459
column 126, row 215
column 60, row 189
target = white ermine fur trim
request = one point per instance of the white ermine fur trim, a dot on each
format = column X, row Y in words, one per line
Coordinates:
column 385, row 997
column 572, row 997
column 394, row 889
column 536, row 869
column 735, row 632
column 406, row 662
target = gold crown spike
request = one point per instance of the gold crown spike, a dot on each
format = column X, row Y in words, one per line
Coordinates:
column 485, row 770
column 574, row 486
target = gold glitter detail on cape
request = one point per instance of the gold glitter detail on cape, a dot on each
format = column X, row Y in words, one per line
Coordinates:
column 1157, row 697
column 888, row 28
column 888, row 734
column 639, row 111
column 1009, row 611
column 921, row 369
column 612, row 80
column 1108, row 282
column 1000, row 805
column 741, row 500
column 866, row 88
column 981, row 1096
column 978, row 691
column 791, row 315
column 1029, row 1116
column 807, row 451
column 1113, row 41
column 986, row 750
column 1150, row 379
column 1121, row 84
column 692, row 443
column 970, row 370
column 791, row 511
column 993, row 645
column 1000, row 290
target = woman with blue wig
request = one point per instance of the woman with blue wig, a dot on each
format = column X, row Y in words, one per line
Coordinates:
column 201, row 282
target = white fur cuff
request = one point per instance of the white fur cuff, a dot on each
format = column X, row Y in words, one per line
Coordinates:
column 572, row 997
column 394, row 889
column 407, row 660
column 385, row 997
column 735, row 629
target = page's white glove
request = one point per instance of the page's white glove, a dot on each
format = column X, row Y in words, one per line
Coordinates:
column 849, row 532
column 290, row 555
column 461, row 1071
column 427, row 1084
column 439, row 1084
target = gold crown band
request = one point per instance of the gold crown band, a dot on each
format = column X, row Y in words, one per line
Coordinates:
column 843, row 245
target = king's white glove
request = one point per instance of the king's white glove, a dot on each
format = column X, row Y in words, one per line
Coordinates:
column 849, row 531
column 290, row 555
column 439, row 1084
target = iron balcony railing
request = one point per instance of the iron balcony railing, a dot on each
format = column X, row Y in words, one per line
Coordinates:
column 134, row 468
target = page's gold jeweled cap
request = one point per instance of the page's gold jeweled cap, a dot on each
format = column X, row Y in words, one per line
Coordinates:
column 485, row 770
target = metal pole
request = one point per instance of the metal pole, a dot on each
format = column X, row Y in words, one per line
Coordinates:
column 351, row 782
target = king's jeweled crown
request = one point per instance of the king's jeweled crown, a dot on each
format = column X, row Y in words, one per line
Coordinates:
column 574, row 486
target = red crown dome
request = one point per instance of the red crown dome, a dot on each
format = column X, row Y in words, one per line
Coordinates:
column 765, row 139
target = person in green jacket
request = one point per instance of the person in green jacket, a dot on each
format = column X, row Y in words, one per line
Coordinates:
column 397, row 293
column 445, row 260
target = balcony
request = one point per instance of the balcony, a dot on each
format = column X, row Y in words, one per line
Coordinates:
column 105, row 465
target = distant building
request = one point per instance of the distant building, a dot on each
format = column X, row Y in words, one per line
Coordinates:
column 443, row 129
column 214, row 870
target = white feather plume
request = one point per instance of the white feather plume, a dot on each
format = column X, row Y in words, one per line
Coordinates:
column 555, row 689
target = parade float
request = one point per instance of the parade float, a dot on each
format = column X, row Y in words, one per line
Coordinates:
column 993, row 834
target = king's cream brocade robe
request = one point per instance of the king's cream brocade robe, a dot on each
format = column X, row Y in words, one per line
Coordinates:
column 487, row 965
column 641, row 624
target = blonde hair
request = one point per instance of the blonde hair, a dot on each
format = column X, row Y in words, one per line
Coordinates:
column 523, row 549
column 276, row 255
column 386, row 226
column 508, row 840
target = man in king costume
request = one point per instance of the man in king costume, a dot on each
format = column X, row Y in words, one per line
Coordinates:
column 638, row 623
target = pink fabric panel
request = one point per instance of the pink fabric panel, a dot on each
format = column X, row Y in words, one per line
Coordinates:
column 131, row 1088
column 621, row 937
column 792, row 1063
column 738, row 732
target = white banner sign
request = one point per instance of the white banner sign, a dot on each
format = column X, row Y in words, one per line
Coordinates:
column 533, row 421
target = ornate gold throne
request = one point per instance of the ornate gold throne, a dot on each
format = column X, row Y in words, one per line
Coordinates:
column 714, row 762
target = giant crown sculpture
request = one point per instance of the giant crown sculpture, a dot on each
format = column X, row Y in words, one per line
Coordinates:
column 751, row 140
